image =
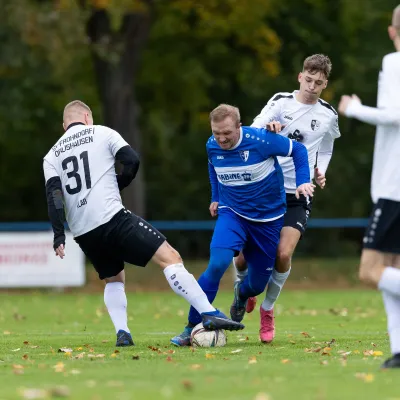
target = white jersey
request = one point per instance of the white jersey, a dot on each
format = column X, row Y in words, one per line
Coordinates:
column 314, row 125
column 84, row 159
column 385, row 182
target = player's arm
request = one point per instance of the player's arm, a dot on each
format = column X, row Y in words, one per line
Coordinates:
column 55, row 207
column 352, row 107
column 271, row 112
column 277, row 145
column 389, row 96
column 325, row 152
column 130, row 165
column 128, row 157
column 214, row 189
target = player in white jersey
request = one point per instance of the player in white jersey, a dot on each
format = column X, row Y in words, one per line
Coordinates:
column 304, row 117
column 80, row 178
column 380, row 258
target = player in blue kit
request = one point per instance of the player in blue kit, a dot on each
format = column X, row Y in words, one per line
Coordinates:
column 249, row 197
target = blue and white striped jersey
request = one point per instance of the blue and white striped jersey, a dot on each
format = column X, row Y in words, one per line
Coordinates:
column 248, row 179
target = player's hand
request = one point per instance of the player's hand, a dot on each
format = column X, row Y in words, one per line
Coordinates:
column 275, row 126
column 319, row 178
column 60, row 251
column 345, row 102
column 306, row 189
column 214, row 208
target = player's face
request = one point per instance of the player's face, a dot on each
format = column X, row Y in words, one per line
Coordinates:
column 311, row 85
column 226, row 132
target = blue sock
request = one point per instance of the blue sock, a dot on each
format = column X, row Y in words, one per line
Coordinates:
column 220, row 260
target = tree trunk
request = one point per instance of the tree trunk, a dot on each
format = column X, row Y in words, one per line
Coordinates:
column 115, row 56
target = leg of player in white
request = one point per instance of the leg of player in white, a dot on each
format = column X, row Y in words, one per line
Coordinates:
column 288, row 242
column 181, row 282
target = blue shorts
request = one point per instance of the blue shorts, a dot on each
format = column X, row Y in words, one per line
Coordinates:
column 258, row 240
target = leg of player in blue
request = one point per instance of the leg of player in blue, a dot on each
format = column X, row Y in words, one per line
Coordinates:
column 229, row 237
column 260, row 253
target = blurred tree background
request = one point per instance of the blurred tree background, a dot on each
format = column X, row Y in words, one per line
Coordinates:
column 153, row 70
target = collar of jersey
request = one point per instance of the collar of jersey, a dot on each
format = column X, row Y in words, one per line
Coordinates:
column 299, row 102
column 239, row 141
column 74, row 124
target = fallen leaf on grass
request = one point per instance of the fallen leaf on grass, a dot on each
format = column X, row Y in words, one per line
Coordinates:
column 365, row 377
column 169, row 359
column 34, row 347
column 253, row 360
column 135, row 357
column 326, row 351
column 59, row 367
column 33, row 394
column 25, row 357
column 171, row 351
column 196, row 366
column 116, row 351
column 368, row 352
column 285, row 361
column 6, row 333
column 18, row 369
column 79, row 356
column 292, row 342
column 313, row 350
column 26, row 342
column 75, row 372
column 188, row 385
column 104, row 341
column 236, row 351
column 305, row 334
column 113, row 355
column 16, row 349
column 377, row 353
column 60, row 391
column 262, row 396
column 79, row 348
column 208, row 355
column 324, row 362
column 356, row 352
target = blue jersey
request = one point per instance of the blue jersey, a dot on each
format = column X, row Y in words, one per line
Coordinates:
column 248, row 179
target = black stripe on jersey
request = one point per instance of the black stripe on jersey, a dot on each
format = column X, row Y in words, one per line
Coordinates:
column 281, row 96
column 328, row 106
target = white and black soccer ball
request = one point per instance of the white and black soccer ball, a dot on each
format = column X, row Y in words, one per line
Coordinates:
column 201, row 337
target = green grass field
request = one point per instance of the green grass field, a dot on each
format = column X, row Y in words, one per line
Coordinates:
column 329, row 345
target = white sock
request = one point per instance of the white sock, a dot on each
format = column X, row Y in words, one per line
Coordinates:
column 185, row 285
column 116, row 303
column 239, row 275
column 392, row 307
column 275, row 285
column 390, row 281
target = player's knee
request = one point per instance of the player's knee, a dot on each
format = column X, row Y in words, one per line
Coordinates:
column 283, row 258
column 240, row 262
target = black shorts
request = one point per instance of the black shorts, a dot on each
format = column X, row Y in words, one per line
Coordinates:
column 297, row 212
column 125, row 238
column 383, row 232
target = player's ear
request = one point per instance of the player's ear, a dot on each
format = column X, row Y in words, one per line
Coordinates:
column 325, row 84
column 64, row 126
column 392, row 32
column 299, row 76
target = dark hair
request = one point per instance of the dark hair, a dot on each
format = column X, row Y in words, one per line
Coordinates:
column 318, row 63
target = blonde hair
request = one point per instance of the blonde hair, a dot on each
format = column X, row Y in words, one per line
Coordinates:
column 74, row 110
column 224, row 111
column 396, row 18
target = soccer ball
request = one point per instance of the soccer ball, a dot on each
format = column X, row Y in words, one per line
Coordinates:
column 200, row 337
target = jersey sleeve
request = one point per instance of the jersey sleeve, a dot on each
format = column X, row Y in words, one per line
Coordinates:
column 388, row 110
column 271, row 112
column 334, row 128
column 49, row 170
column 325, row 152
column 276, row 145
column 115, row 141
